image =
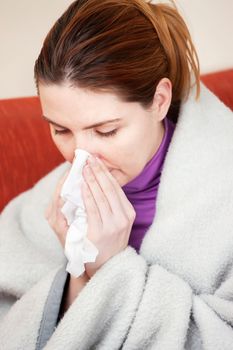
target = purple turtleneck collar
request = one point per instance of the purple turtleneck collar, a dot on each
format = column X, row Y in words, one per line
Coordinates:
column 142, row 191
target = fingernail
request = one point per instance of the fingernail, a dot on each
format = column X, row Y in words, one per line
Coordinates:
column 87, row 169
column 92, row 160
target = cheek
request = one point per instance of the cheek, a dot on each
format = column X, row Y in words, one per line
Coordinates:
column 65, row 148
column 127, row 166
column 131, row 159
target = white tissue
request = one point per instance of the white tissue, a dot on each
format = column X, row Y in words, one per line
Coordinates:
column 78, row 249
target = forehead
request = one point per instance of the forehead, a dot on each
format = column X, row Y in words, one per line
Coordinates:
column 64, row 100
column 65, row 105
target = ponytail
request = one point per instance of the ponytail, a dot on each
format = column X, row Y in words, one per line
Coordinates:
column 174, row 36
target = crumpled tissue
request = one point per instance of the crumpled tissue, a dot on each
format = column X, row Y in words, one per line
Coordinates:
column 78, row 249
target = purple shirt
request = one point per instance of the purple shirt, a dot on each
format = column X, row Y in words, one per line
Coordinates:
column 142, row 191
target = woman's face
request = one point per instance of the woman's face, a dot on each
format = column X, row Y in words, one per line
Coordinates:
column 124, row 135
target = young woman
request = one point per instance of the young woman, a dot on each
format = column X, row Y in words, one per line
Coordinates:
column 120, row 79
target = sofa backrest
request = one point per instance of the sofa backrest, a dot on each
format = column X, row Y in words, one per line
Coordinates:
column 221, row 84
column 26, row 149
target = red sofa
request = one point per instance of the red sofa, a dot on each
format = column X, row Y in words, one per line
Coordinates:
column 27, row 152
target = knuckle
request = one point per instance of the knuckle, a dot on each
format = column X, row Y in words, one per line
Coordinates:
column 91, row 179
column 60, row 202
column 52, row 224
column 121, row 225
column 132, row 215
column 102, row 201
column 109, row 189
column 125, row 224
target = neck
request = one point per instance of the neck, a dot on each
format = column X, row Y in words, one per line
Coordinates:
column 142, row 191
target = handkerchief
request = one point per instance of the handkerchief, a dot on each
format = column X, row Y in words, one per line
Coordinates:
column 78, row 249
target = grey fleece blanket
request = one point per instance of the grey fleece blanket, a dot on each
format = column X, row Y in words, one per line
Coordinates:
column 176, row 294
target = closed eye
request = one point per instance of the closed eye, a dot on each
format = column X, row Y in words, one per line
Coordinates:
column 107, row 134
column 99, row 133
column 60, row 132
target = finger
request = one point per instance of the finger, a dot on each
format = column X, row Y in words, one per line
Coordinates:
column 117, row 196
column 90, row 205
column 60, row 218
column 59, row 203
column 99, row 197
column 60, row 183
column 56, row 200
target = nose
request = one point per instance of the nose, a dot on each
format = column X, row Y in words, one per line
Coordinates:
column 87, row 144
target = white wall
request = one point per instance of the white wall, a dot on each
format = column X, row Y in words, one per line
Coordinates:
column 211, row 25
column 24, row 24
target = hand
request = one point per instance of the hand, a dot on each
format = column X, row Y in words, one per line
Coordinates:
column 53, row 213
column 110, row 215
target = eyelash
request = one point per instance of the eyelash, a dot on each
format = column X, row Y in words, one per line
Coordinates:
column 101, row 134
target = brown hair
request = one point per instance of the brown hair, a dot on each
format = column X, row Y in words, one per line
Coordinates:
column 126, row 46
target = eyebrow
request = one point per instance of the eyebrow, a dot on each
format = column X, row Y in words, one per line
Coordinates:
column 86, row 127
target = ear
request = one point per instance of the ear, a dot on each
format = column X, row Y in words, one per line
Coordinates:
column 162, row 98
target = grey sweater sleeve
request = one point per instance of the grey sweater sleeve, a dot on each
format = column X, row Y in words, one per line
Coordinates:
column 52, row 308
